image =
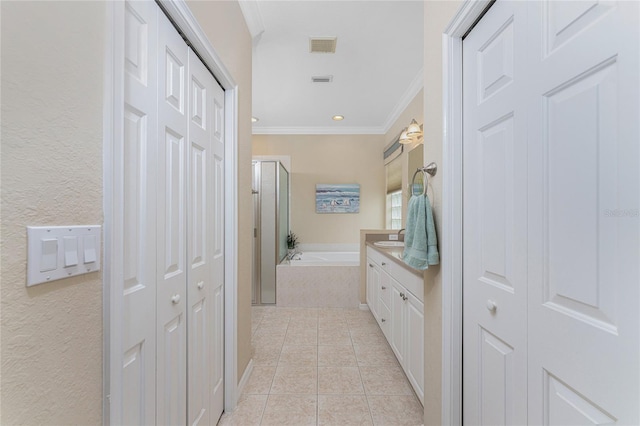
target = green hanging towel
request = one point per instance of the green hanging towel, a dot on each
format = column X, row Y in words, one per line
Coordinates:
column 420, row 242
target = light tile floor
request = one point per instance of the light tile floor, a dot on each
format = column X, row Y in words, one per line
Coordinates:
column 323, row 367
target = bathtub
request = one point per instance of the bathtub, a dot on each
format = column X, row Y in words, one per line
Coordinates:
column 319, row 280
column 326, row 258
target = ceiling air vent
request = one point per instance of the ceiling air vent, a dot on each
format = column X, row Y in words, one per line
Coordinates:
column 322, row 79
column 322, row 44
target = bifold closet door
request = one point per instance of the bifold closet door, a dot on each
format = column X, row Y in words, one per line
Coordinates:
column 172, row 229
column 495, row 218
column 134, row 403
column 551, row 302
column 205, row 249
column 171, row 216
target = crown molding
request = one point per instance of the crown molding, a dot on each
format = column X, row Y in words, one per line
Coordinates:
column 252, row 16
column 414, row 88
column 318, row 131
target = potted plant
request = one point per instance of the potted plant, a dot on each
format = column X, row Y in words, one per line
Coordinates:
column 292, row 243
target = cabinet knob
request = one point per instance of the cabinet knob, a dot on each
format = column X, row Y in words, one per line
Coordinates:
column 200, row 285
column 370, row 265
column 382, row 319
column 383, row 264
column 175, row 299
column 491, row 306
column 384, row 288
column 402, row 295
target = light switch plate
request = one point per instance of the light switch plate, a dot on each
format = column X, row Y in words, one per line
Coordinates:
column 52, row 248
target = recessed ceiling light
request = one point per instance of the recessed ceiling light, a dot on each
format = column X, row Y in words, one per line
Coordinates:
column 254, row 119
column 338, row 117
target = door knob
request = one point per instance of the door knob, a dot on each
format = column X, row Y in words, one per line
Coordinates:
column 491, row 306
column 200, row 285
column 175, row 299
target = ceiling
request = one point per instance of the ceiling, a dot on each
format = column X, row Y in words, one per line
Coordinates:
column 376, row 69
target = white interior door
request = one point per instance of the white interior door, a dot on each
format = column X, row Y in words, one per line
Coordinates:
column 206, row 236
column 171, row 231
column 551, row 235
column 584, row 181
column 135, row 400
column 495, row 219
column 173, row 72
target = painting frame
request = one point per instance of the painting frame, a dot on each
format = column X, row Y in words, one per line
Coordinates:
column 338, row 198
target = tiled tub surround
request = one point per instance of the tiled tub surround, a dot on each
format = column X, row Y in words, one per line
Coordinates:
column 319, row 280
column 323, row 367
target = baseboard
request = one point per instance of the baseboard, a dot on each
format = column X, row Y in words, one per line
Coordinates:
column 364, row 307
column 245, row 378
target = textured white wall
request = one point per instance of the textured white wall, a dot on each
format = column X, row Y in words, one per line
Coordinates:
column 51, row 161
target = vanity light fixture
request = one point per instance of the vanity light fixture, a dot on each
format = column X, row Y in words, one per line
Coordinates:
column 337, row 117
column 414, row 129
column 404, row 137
column 254, row 119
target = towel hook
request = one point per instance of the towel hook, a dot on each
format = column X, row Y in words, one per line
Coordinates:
column 430, row 169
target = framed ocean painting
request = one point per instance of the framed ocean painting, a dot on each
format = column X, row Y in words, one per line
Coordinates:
column 338, row 198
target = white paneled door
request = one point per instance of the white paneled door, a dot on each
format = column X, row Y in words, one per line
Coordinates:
column 134, row 403
column 551, row 301
column 173, row 228
column 171, row 214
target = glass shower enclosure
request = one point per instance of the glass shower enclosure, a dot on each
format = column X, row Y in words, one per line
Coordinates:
column 271, row 227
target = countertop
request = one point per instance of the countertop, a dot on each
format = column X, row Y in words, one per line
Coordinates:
column 395, row 254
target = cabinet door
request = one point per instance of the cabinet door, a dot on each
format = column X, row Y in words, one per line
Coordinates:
column 398, row 308
column 373, row 283
column 414, row 338
column 384, row 303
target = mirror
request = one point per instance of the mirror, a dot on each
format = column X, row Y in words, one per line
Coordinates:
column 415, row 162
column 393, row 171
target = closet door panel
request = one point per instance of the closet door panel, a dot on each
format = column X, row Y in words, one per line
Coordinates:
column 200, row 238
column 134, row 402
column 173, row 167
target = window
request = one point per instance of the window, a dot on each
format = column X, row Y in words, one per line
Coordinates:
column 394, row 210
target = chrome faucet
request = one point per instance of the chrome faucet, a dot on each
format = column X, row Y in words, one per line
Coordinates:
column 292, row 255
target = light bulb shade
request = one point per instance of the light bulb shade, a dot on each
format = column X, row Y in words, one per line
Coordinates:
column 413, row 129
column 404, row 137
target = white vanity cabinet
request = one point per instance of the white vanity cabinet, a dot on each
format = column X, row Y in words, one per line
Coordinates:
column 395, row 297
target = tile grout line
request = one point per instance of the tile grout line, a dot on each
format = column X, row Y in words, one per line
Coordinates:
column 364, row 390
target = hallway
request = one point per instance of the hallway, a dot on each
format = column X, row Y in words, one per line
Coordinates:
column 323, row 367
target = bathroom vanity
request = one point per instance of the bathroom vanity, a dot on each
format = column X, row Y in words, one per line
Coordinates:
column 394, row 293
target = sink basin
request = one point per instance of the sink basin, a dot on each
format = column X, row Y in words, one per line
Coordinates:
column 389, row 244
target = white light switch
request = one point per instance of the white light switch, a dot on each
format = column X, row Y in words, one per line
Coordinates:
column 49, row 254
column 70, row 251
column 89, row 249
column 57, row 252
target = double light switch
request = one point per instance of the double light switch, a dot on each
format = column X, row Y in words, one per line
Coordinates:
column 57, row 252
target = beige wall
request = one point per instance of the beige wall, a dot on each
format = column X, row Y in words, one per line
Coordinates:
column 51, row 173
column 330, row 159
column 225, row 27
column 51, row 160
column 437, row 15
